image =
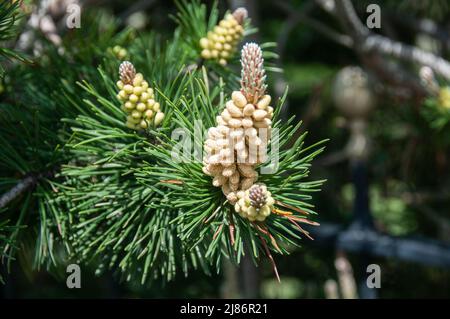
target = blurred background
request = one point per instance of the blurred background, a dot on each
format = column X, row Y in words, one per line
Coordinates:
column 387, row 193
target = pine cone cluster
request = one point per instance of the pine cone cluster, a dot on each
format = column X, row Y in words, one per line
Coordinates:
column 222, row 42
column 239, row 141
column 256, row 203
column 138, row 99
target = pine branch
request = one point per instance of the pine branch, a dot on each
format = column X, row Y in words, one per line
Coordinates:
column 121, row 202
column 203, row 210
column 46, row 98
column 22, row 186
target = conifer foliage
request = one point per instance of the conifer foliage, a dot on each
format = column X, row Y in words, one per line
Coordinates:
column 156, row 172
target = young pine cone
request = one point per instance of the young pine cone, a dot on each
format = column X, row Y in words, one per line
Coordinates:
column 256, row 203
column 222, row 42
column 238, row 143
column 119, row 52
column 138, row 99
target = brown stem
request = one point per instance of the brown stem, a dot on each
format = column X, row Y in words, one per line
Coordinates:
column 231, row 228
column 269, row 255
column 217, row 231
column 21, row 187
column 306, row 233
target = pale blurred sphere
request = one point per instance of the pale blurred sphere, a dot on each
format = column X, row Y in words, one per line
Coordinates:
column 352, row 93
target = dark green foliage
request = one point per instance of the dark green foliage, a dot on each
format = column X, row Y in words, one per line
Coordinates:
column 34, row 133
column 113, row 198
column 9, row 17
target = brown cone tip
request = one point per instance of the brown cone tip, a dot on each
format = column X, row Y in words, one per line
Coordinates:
column 253, row 75
column 257, row 196
column 127, row 72
column 240, row 14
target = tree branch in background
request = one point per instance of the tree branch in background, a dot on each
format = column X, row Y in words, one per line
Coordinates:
column 296, row 16
column 373, row 42
column 426, row 26
column 302, row 16
column 406, row 83
column 346, row 13
column 408, row 53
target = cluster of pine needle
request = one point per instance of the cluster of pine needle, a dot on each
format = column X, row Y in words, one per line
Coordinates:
column 79, row 185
